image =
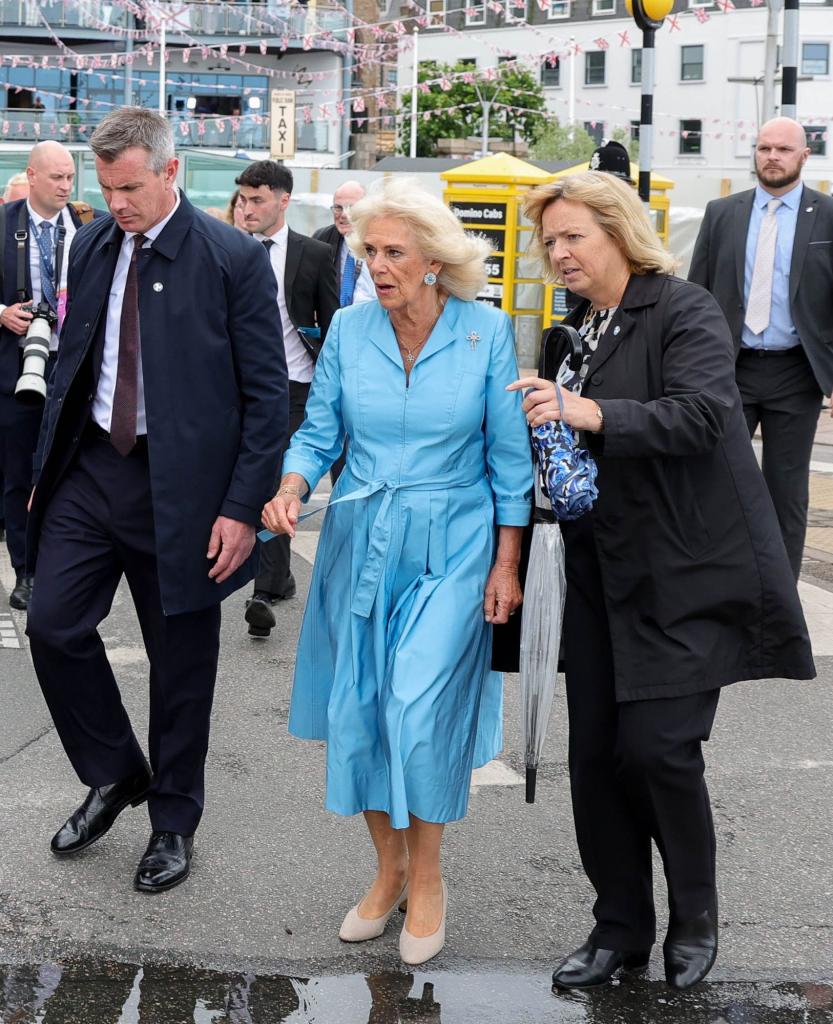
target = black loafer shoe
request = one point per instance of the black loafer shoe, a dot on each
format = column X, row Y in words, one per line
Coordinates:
column 289, row 590
column 22, row 593
column 591, row 966
column 166, row 863
column 259, row 614
column 96, row 815
column 690, row 950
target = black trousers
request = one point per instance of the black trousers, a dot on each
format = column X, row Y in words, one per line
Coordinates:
column 19, row 428
column 273, row 569
column 780, row 392
column 636, row 773
column 98, row 526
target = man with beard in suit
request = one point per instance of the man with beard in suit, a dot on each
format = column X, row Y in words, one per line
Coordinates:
column 767, row 257
column 307, row 302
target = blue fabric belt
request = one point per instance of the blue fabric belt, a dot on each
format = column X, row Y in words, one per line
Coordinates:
column 380, row 533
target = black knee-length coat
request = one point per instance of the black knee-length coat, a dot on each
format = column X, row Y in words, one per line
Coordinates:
column 698, row 589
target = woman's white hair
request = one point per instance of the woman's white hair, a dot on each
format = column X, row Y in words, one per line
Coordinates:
column 437, row 231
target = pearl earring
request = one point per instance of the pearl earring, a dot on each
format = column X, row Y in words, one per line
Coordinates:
column 430, row 278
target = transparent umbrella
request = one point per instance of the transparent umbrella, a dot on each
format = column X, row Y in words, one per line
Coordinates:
column 543, row 610
column 565, row 489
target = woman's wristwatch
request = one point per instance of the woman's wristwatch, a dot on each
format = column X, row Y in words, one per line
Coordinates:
column 601, row 416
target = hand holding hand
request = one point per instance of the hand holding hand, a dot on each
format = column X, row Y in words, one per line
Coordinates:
column 231, row 543
column 541, row 405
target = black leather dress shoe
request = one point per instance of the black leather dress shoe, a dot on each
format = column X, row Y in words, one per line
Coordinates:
column 690, row 950
column 98, row 812
column 22, row 593
column 166, row 863
column 590, row 965
column 259, row 613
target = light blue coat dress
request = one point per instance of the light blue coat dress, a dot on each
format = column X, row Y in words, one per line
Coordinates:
column 393, row 665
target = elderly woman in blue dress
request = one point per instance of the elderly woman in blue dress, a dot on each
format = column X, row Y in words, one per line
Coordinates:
column 419, row 549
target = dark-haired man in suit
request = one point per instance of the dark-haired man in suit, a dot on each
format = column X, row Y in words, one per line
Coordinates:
column 307, row 302
column 767, row 257
column 51, row 174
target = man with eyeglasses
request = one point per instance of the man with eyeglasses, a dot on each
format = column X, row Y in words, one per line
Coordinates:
column 354, row 281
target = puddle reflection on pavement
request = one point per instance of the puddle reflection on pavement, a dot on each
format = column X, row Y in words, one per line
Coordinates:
column 92, row 992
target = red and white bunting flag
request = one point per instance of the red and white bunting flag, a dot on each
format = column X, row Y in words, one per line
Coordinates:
column 624, row 38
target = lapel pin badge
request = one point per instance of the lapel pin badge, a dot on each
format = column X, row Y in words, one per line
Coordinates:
column 472, row 338
column 808, row 209
column 158, row 286
column 616, row 329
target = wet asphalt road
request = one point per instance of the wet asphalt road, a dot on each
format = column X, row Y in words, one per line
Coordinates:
column 252, row 936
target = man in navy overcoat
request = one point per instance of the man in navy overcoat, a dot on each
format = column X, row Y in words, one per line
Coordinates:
column 165, row 418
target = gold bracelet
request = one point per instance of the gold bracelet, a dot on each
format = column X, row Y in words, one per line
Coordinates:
column 601, row 416
column 290, row 490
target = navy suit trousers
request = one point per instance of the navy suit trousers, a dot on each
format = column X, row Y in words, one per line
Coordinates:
column 99, row 526
column 19, row 427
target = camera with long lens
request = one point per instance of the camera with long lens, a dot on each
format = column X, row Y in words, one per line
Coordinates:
column 31, row 384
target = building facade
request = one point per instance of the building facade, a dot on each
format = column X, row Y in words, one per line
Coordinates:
column 709, row 74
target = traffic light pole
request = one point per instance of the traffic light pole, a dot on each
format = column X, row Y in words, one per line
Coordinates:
column 646, row 121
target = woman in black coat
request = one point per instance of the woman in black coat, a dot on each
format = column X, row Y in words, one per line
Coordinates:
column 677, row 582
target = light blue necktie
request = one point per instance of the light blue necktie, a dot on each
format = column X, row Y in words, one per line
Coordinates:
column 47, row 267
column 348, row 281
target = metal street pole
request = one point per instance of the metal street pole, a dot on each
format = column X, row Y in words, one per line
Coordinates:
column 789, row 84
column 162, row 62
column 649, row 15
column 774, row 8
column 571, row 90
column 646, row 117
column 414, row 94
column 128, row 64
column 485, row 107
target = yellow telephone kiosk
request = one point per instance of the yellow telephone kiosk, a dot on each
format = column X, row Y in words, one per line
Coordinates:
column 486, row 195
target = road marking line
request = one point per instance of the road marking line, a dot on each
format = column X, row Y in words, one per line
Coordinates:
column 305, row 544
column 495, row 773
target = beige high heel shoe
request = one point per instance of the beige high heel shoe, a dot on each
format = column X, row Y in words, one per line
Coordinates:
column 414, row 950
column 360, row 929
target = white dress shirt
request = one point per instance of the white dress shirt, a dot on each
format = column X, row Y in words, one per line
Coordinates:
column 35, row 221
column 102, row 411
column 299, row 364
column 365, row 290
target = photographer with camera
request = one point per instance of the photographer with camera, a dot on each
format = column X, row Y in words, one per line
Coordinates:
column 36, row 235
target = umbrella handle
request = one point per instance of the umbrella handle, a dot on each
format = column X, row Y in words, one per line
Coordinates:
column 531, row 779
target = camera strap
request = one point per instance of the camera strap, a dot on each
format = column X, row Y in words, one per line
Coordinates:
column 21, row 235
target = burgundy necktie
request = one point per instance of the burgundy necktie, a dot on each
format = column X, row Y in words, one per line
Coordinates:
column 125, row 397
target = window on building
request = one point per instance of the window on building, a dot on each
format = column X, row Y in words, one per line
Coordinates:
column 636, row 67
column 436, row 12
column 594, row 67
column 815, row 59
column 559, row 9
column 700, row 3
column 467, row 62
column 634, row 131
column 475, row 12
column 551, row 73
column 691, row 63
column 816, row 139
column 691, row 137
column 596, row 130
column 604, row 7
column 515, row 10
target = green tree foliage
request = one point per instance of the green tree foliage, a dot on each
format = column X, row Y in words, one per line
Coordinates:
column 460, row 108
column 557, row 142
